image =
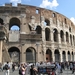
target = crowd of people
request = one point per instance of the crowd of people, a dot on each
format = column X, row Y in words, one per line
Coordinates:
column 31, row 68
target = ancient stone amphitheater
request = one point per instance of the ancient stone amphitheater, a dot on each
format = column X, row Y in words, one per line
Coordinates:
column 43, row 35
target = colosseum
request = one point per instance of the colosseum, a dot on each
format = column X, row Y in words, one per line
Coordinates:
column 43, row 35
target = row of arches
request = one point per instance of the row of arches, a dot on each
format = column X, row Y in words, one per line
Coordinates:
column 64, row 36
column 31, row 55
column 16, row 22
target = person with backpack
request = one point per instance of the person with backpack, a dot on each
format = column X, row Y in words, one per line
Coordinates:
column 7, row 68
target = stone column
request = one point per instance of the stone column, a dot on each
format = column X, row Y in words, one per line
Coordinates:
column 58, row 24
column 66, row 56
column 6, row 20
column 61, row 59
column 23, row 21
column 74, row 56
column 71, row 55
column 51, row 34
column 1, row 43
column 51, row 21
column 37, row 49
column 59, row 39
column 43, row 35
column 44, row 49
column 72, row 41
column 23, row 54
column 53, row 56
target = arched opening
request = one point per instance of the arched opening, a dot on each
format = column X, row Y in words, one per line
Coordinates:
column 67, row 37
column 38, row 30
column 73, row 39
column 69, row 56
column 64, row 56
column 69, row 29
column 55, row 32
column 70, row 39
column 62, row 36
column 72, row 56
column 47, row 34
column 47, row 22
column 15, row 27
column 48, row 55
column 53, row 15
column 57, row 55
column 14, row 24
column 14, row 53
column 1, row 22
column 30, row 55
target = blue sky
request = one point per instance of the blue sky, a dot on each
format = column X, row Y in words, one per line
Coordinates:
column 65, row 7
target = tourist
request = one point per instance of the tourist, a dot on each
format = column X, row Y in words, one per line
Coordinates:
column 7, row 69
column 22, row 69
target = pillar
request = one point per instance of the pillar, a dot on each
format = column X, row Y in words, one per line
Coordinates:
column 23, row 54
column 1, row 43
column 66, row 56
column 51, row 35
column 53, row 56
column 59, row 39
column 44, row 49
column 61, row 59
column 23, row 21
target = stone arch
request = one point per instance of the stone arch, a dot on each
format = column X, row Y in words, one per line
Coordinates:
column 30, row 55
column 64, row 56
column 67, row 37
column 57, row 55
column 72, row 56
column 53, row 15
column 70, row 39
column 38, row 29
column 14, row 53
column 48, row 55
column 55, row 32
column 62, row 36
column 47, row 22
column 14, row 22
column 1, row 22
column 69, row 56
column 47, row 34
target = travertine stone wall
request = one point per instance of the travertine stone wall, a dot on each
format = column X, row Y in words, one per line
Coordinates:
column 28, row 18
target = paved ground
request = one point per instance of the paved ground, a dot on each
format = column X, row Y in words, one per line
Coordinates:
column 65, row 72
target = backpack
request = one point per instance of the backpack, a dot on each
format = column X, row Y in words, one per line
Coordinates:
column 6, row 67
column 20, row 71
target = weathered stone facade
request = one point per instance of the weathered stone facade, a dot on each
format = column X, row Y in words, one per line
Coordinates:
column 43, row 35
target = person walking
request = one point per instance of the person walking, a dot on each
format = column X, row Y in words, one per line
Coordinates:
column 33, row 70
column 22, row 69
column 7, row 69
column 13, row 67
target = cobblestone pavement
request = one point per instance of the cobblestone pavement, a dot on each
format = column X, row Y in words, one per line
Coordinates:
column 65, row 72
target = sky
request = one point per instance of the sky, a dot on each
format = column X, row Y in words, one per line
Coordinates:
column 65, row 7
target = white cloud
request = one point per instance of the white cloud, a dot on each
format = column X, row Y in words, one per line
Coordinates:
column 14, row 2
column 73, row 20
column 47, row 3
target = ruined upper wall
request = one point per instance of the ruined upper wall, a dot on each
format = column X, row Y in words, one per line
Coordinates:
column 36, row 13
